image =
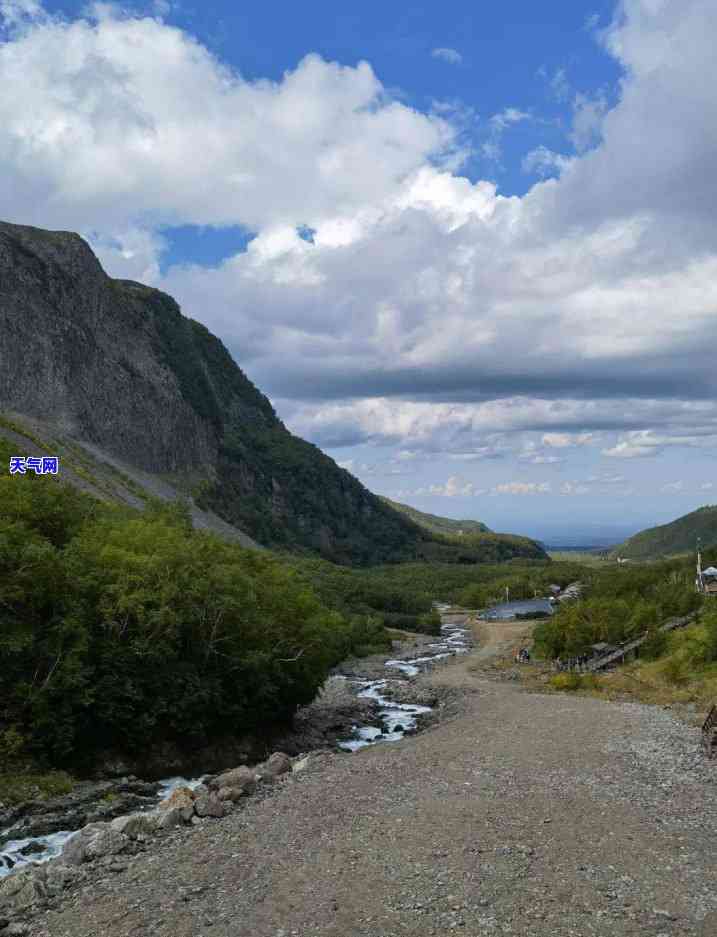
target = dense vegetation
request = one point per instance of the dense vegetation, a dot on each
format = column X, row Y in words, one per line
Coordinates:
column 679, row 536
column 619, row 603
column 402, row 595
column 437, row 524
column 118, row 630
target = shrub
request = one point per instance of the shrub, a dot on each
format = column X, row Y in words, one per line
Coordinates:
column 565, row 681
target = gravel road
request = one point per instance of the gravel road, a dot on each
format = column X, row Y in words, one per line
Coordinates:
column 515, row 814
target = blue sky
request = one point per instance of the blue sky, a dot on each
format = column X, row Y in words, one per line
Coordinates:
column 506, row 305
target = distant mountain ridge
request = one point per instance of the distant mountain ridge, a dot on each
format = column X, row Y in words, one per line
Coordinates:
column 437, row 524
column 679, row 536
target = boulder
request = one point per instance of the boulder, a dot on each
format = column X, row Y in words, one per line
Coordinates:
column 58, row 877
column 33, row 885
column 242, row 779
column 175, row 816
column 229, row 794
column 21, row 890
column 276, row 764
column 209, row 805
column 93, row 842
column 182, row 798
column 135, row 824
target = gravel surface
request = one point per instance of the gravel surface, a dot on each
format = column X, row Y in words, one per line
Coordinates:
column 515, row 813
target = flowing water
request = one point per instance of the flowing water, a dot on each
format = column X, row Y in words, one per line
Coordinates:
column 396, row 719
column 43, row 848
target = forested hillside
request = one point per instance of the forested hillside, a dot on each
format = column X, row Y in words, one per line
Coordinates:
column 437, row 524
column 679, row 536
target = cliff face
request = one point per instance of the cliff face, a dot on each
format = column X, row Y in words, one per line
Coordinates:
column 115, row 364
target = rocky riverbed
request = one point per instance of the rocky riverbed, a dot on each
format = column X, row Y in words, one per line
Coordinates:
column 515, row 813
column 353, row 711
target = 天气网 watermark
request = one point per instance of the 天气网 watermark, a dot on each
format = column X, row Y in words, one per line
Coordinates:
column 47, row 465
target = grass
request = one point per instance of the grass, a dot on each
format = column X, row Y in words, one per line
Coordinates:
column 18, row 787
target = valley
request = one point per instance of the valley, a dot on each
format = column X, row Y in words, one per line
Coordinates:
column 516, row 812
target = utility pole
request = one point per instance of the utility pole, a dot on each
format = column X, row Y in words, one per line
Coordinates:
column 699, row 582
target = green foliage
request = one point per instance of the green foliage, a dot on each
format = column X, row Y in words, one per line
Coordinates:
column 19, row 786
column 620, row 603
column 120, row 630
column 436, row 524
column 679, row 536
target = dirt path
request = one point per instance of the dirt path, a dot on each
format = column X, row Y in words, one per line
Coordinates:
column 522, row 814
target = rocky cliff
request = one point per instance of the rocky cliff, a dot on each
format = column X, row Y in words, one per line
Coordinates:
column 115, row 366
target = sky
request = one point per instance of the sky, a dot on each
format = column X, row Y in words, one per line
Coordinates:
column 469, row 250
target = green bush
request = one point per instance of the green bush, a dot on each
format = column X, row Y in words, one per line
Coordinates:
column 120, row 630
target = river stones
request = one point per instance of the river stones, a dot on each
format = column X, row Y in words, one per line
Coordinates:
column 135, row 824
column 167, row 819
column 182, row 799
column 241, row 779
column 277, row 764
column 209, row 805
column 93, row 842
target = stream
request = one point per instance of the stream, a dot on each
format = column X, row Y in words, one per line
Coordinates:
column 397, row 720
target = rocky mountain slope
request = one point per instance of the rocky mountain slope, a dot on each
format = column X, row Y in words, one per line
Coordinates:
column 112, row 372
column 679, row 536
column 115, row 366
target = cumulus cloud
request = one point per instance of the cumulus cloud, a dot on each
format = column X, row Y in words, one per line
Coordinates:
column 454, row 487
column 451, row 56
column 427, row 310
column 522, row 488
column 673, row 487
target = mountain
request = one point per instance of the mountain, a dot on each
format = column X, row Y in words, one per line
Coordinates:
column 680, row 536
column 467, row 538
column 436, row 524
column 141, row 401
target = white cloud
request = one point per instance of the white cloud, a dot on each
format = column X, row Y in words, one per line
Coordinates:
column 492, row 148
column 673, row 487
column 451, row 56
column 522, row 488
column 574, row 488
column 430, row 311
column 706, row 486
column 566, row 440
column 543, row 161
column 454, row 487
column 16, row 12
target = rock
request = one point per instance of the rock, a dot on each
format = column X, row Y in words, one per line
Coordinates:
column 182, row 798
column 92, row 842
column 175, row 816
column 209, row 805
column 21, row 890
column 301, row 764
column 16, row 930
column 32, row 848
column 135, row 824
column 276, row 764
column 229, row 794
column 57, row 877
column 242, row 779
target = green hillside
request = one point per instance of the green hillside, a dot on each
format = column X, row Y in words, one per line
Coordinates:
column 679, row 536
column 436, row 524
